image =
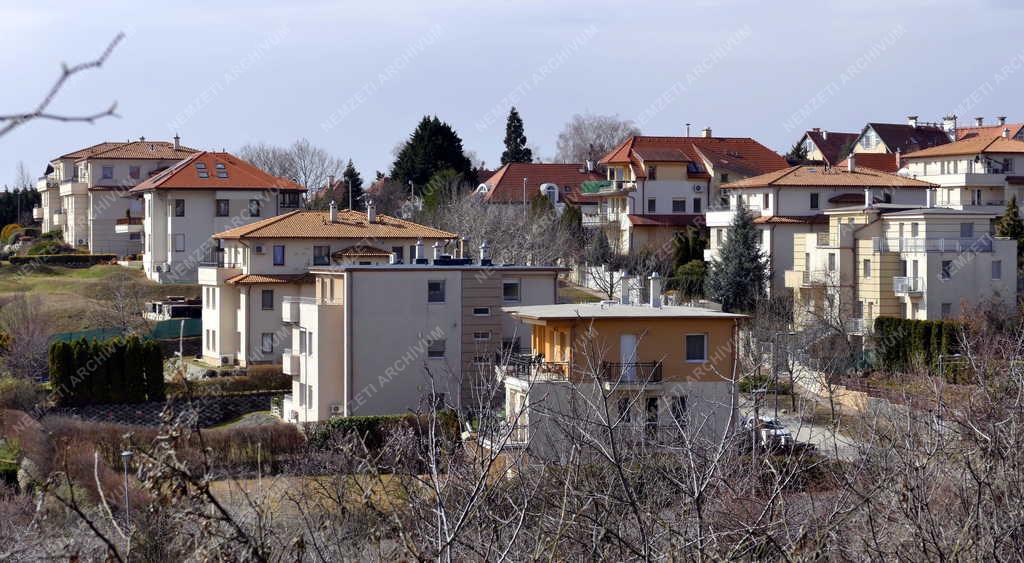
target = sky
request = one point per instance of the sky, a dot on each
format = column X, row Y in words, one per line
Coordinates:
column 356, row 77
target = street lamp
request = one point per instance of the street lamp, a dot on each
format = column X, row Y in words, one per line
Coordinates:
column 126, row 457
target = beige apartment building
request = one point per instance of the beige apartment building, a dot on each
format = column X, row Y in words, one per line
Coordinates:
column 388, row 338
column 85, row 193
column 909, row 262
column 259, row 264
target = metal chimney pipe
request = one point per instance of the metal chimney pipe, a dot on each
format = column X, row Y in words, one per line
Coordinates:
column 655, row 281
column 333, row 212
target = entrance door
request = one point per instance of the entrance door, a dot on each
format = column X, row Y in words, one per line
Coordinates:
column 627, row 356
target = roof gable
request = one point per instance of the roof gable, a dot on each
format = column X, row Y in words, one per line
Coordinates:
column 223, row 171
column 741, row 154
column 506, row 185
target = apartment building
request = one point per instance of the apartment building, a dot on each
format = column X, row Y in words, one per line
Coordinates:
column 978, row 172
column 388, row 338
column 794, row 200
column 660, row 367
column 259, row 264
column 206, row 193
column 657, row 186
column 85, row 193
column 893, row 260
column 827, row 147
column 517, row 183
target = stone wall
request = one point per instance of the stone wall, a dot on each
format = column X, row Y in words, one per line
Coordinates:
column 210, row 411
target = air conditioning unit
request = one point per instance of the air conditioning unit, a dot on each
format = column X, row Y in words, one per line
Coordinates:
column 336, row 409
column 225, row 360
column 258, row 249
column 698, row 188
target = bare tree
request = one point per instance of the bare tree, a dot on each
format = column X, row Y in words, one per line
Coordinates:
column 42, row 110
column 273, row 160
column 303, row 162
column 28, row 327
column 122, row 302
column 589, row 137
column 22, row 178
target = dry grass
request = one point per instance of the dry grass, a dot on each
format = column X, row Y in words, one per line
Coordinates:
column 290, row 495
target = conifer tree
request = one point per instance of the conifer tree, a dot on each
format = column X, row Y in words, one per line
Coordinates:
column 134, row 372
column 515, row 140
column 154, row 371
column 737, row 279
column 432, row 147
column 353, row 183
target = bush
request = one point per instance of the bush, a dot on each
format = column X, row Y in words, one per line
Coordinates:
column 107, row 371
column 49, row 247
column 754, row 382
column 74, row 260
column 904, row 343
column 18, row 394
column 374, row 430
column 256, row 380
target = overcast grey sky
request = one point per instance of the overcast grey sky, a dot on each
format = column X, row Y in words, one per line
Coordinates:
column 355, row 77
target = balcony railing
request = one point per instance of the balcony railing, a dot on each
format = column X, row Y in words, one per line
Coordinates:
column 855, row 326
column 289, row 362
column 610, row 373
column 918, row 244
column 902, row 285
column 630, row 373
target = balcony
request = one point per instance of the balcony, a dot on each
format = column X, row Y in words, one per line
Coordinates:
column 290, row 308
column 126, row 225
column 902, row 285
column 290, row 362
column 595, row 219
column 611, row 374
column 630, row 374
column 73, row 187
column 723, row 218
column 918, row 244
column 59, row 218
column 37, row 213
column 855, row 326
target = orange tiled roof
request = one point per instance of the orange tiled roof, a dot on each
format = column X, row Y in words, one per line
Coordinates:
column 881, row 161
column 506, row 185
column 156, row 150
column 820, row 176
column 742, row 154
column 971, row 146
column 240, row 175
column 362, row 250
column 98, row 147
column 818, row 219
column 988, row 131
column 667, row 220
column 350, row 224
column 243, row 279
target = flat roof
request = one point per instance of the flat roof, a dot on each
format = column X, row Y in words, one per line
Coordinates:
column 336, row 268
column 616, row 311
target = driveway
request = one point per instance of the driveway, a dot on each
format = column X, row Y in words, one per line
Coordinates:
column 821, row 435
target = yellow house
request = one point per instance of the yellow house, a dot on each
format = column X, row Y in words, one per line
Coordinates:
column 659, row 366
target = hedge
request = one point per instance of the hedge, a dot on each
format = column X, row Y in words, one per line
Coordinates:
column 374, row 430
column 87, row 372
column 64, row 259
column 904, row 343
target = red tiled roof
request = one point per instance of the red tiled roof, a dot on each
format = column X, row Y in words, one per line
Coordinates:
column 988, row 131
column 740, row 154
column 138, row 150
column 241, row 175
column 667, row 220
column 882, row 161
column 820, row 176
column 818, row 219
column 245, row 279
column 832, row 143
column 349, row 224
column 506, row 185
column 972, row 146
column 98, row 147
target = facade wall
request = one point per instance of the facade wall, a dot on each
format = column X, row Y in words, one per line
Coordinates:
column 105, row 208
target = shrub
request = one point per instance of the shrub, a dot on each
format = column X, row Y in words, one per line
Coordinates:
column 49, row 247
column 902, row 342
column 107, row 371
column 374, row 430
column 18, row 394
column 263, row 380
column 754, row 382
column 73, row 260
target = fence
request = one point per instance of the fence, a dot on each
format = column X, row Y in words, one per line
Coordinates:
column 210, row 410
column 162, row 330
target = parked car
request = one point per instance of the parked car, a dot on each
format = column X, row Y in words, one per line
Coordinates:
column 771, row 432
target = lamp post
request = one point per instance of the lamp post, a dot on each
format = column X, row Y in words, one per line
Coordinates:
column 126, row 456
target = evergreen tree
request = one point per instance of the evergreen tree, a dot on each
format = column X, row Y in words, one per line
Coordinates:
column 134, row 371
column 797, row 154
column 59, row 372
column 354, row 184
column 515, row 140
column 572, row 222
column 154, row 371
column 738, row 278
column 99, row 363
column 541, row 205
column 432, row 147
column 1009, row 225
column 599, row 251
column 689, row 279
column 83, row 375
column 115, row 372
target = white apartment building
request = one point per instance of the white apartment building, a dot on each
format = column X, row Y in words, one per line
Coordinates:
column 259, row 264
column 794, row 200
column 207, row 193
column 85, row 193
column 657, row 186
column 386, row 338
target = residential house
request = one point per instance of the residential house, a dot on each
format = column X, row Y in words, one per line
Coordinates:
column 793, row 200
column 85, row 192
column 517, row 183
column 261, row 263
column 827, row 147
column 980, row 129
column 660, row 367
column 892, row 260
column 392, row 338
column 204, row 194
column 657, row 186
column 904, row 138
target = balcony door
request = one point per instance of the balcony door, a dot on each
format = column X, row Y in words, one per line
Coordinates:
column 627, row 356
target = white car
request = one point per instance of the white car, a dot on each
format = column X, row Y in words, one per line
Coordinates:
column 770, row 431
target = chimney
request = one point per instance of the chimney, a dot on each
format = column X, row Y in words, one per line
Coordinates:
column 437, row 250
column 851, row 162
column 177, row 142
column 485, row 254
column 912, row 120
column 899, row 160
column 334, row 212
column 330, row 181
column 590, row 165
column 979, row 121
column 371, row 212
column 142, row 139
column 418, row 255
column 1001, row 119
column 706, row 132
column 1006, row 132
column 928, row 198
column 824, row 135
column 869, row 199
column 655, row 280
column 687, row 129
column 949, row 125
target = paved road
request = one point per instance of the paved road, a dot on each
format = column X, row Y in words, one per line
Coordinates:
column 821, row 435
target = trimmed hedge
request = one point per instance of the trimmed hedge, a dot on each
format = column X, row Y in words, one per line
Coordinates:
column 64, row 259
column 118, row 370
column 374, row 430
column 903, row 343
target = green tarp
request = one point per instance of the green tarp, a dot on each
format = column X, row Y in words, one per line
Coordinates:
column 162, row 330
column 594, row 186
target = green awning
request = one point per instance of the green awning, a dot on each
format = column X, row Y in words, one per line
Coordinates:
column 594, row 186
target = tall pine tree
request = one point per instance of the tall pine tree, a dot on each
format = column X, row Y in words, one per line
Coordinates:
column 737, row 279
column 432, row 147
column 515, row 140
column 353, row 183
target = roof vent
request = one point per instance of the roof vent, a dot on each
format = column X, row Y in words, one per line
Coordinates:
column 177, row 142
column 333, row 210
column 1001, row 119
column 371, row 212
column 706, row 132
column 142, row 139
column 912, row 120
column 979, row 121
column 1006, row 132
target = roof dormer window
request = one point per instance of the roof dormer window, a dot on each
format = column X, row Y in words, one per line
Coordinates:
column 222, row 171
column 201, row 170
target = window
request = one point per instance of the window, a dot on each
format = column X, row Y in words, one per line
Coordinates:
column 399, row 253
column 831, row 261
column 1007, row 165
column 947, row 310
column 814, row 201
column 678, row 205
column 725, row 177
column 267, row 342
column 201, row 170
column 223, row 208
column 913, row 229
column 652, row 172
column 267, row 299
column 481, row 311
column 108, row 172
column 290, row 199
column 652, row 205
column 436, row 349
column 279, row 255
column 696, row 205
column 321, row 255
column 179, row 208
column 302, row 341
column 966, row 230
column 179, row 242
column 134, row 236
column 997, row 269
column 696, row 348
column 222, row 171
column 904, row 310
column 309, row 341
column 134, row 172
column 624, row 410
column 482, row 336
column 435, row 291
column 510, row 291
column 678, row 410
column 765, row 201
column 867, row 267
column 947, row 266
column 255, row 206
